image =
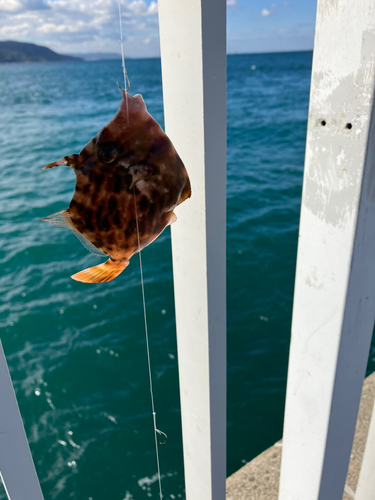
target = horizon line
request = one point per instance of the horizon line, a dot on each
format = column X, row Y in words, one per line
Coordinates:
column 158, row 57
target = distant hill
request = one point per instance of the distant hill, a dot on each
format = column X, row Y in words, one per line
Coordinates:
column 29, row 52
column 99, row 56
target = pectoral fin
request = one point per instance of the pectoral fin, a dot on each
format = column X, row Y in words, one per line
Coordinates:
column 102, row 273
column 69, row 161
column 139, row 173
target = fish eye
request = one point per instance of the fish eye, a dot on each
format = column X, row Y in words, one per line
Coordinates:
column 107, row 152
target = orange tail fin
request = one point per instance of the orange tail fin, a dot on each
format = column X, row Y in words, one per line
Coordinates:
column 102, row 273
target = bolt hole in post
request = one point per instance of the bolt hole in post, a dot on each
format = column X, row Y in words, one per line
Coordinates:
column 348, row 126
column 323, row 123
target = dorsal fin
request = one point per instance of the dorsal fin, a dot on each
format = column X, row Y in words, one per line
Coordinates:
column 69, row 161
column 63, row 219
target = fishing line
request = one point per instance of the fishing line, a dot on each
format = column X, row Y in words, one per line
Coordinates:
column 156, row 430
column 126, row 78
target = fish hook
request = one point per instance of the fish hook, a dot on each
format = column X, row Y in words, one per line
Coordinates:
column 126, row 78
column 127, row 83
column 162, row 434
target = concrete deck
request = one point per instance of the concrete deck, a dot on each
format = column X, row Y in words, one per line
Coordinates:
column 259, row 479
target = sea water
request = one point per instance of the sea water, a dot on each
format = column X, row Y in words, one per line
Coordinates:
column 77, row 352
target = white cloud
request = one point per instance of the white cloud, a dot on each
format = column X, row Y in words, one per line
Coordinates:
column 232, row 3
column 69, row 26
column 137, row 7
column 273, row 7
column 60, row 28
column 140, row 8
column 152, row 9
column 9, row 5
column 14, row 31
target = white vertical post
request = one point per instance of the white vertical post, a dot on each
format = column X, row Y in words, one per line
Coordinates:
column 193, row 53
column 17, row 469
column 366, row 482
column 334, row 302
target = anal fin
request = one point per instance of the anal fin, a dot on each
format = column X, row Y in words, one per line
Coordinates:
column 101, row 273
column 63, row 219
column 89, row 246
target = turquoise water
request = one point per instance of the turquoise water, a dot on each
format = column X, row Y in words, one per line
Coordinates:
column 76, row 352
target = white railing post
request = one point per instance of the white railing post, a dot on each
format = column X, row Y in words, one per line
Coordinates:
column 334, row 301
column 17, row 469
column 193, row 54
column 366, row 481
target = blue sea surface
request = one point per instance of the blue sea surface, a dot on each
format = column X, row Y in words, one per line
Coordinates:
column 77, row 352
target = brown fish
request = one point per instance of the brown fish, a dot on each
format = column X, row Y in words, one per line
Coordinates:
column 128, row 175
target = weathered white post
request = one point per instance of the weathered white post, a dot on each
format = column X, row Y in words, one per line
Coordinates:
column 17, row 469
column 193, row 54
column 366, row 482
column 334, row 302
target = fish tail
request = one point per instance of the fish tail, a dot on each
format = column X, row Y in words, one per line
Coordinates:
column 102, row 273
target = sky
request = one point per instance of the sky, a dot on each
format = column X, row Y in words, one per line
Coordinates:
column 84, row 26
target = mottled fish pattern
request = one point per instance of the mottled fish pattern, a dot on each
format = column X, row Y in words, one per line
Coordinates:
column 129, row 171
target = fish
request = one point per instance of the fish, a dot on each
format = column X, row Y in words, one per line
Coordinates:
column 129, row 180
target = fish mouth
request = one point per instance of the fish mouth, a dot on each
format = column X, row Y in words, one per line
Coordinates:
column 132, row 104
